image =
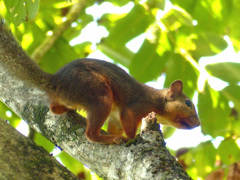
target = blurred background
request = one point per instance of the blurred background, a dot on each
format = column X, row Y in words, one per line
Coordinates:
column 157, row 42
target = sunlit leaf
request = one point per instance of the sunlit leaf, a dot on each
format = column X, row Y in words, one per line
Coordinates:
column 83, row 20
column 199, row 158
column 228, row 151
column 108, row 20
column 186, row 40
column 147, row 65
column 204, row 156
column 232, row 94
column 227, row 71
column 235, row 124
column 213, row 111
column 233, row 18
column 60, row 54
column 117, row 2
column 208, row 44
column 176, row 17
column 211, row 16
column 83, row 49
column 168, row 131
column 156, row 4
column 132, row 25
column 37, row 35
column 121, row 54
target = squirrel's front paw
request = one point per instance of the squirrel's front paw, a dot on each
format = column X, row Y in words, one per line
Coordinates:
column 120, row 139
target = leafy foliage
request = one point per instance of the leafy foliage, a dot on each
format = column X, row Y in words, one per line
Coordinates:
column 21, row 10
column 177, row 36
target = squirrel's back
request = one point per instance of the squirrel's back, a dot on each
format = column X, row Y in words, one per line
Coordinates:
column 90, row 75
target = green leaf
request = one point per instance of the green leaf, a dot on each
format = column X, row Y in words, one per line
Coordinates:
column 227, row 71
column 168, row 131
column 187, row 5
column 228, row 151
column 37, row 35
column 235, row 123
column 83, row 49
column 232, row 94
column 179, row 68
column 60, row 54
column 156, row 4
column 233, row 25
column 147, row 65
column 83, row 20
column 21, row 10
column 108, row 20
column 204, row 156
column 214, row 112
column 199, row 159
column 32, row 7
column 117, row 2
column 207, row 44
column 126, row 28
column 176, row 17
column 121, row 54
column 132, row 25
column 211, row 16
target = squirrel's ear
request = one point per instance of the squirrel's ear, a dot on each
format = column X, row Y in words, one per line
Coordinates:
column 176, row 88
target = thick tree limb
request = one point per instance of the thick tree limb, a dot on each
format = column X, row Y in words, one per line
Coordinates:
column 20, row 158
column 144, row 158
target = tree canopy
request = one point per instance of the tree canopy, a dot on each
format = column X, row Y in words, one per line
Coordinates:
column 175, row 36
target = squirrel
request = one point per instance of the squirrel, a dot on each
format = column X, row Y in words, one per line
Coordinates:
column 100, row 88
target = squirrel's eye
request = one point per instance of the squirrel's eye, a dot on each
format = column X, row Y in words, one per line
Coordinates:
column 188, row 103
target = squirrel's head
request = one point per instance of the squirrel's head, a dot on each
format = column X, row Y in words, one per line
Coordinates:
column 178, row 111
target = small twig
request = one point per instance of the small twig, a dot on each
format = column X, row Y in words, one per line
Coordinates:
column 58, row 31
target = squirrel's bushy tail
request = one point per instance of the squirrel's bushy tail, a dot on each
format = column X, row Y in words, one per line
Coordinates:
column 15, row 60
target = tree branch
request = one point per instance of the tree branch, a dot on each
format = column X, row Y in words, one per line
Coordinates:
column 22, row 158
column 144, row 158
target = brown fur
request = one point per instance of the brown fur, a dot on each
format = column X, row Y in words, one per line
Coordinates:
column 98, row 86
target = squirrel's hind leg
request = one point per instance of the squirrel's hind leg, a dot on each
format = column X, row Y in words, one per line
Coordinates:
column 97, row 115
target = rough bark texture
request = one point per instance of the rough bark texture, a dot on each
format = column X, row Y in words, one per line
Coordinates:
column 146, row 157
column 22, row 159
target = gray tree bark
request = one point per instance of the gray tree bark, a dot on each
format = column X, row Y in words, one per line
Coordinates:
column 146, row 157
column 22, row 159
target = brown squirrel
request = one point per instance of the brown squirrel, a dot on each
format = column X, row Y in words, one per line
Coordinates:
column 100, row 87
